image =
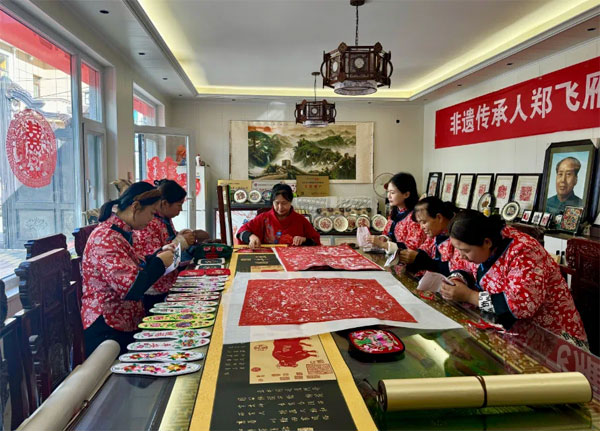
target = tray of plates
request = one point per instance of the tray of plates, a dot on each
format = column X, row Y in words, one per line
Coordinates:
column 178, row 344
column 155, row 369
column 162, row 356
column 174, row 334
column 185, row 324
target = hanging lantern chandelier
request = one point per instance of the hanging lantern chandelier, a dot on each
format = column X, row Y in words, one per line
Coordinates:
column 356, row 70
column 316, row 113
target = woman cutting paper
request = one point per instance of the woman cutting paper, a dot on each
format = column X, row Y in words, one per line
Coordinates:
column 280, row 225
column 401, row 231
column 160, row 232
column 114, row 276
column 515, row 277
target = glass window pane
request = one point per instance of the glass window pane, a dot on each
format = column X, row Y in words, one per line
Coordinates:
column 39, row 176
column 94, row 157
column 144, row 112
column 91, row 101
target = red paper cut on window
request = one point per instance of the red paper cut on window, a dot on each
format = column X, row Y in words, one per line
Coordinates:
column 304, row 300
column 339, row 257
column 159, row 170
column 31, row 148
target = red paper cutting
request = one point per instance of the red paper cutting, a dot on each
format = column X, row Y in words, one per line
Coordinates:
column 167, row 168
column 304, row 300
column 339, row 257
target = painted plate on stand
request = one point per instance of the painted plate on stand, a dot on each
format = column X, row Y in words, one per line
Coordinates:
column 180, row 343
column 254, row 196
column 351, row 222
column 363, row 220
column 173, row 310
column 240, row 196
column 163, row 356
column 178, row 298
column 177, row 317
column 510, row 211
column 156, row 369
column 266, row 195
column 487, row 200
column 325, row 224
column 186, row 324
column 186, row 304
column 188, row 333
column 340, row 223
column 378, row 222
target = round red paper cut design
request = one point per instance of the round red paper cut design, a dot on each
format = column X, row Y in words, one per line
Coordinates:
column 31, row 148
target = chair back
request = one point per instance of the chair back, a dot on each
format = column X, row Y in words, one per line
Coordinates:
column 35, row 247
column 43, row 281
column 81, row 235
column 583, row 256
column 224, row 210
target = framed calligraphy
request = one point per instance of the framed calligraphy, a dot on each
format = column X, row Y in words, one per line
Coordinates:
column 464, row 190
column 433, row 183
column 483, row 184
column 503, row 189
column 448, row 187
column 526, row 190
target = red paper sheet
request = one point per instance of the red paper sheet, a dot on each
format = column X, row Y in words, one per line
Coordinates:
column 338, row 257
column 304, row 300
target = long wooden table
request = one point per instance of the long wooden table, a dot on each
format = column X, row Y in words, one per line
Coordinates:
column 187, row 402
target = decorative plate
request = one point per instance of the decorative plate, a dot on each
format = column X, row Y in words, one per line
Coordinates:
column 240, row 196
column 363, row 220
column 176, row 317
column 378, row 222
column 201, row 290
column 340, row 223
column 509, row 212
column 187, row 324
column 186, row 304
column 185, row 298
column 173, row 310
column 266, row 195
column 316, row 221
column 156, row 369
column 487, row 200
column 376, row 342
column 178, row 344
column 181, row 333
column 351, row 222
column 164, row 356
column 254, row 196
column 325, row 224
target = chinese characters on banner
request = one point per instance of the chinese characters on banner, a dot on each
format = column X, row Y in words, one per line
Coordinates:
column 567, row 99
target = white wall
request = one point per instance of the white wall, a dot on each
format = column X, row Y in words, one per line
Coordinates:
column 397, row 146
column 520, row 155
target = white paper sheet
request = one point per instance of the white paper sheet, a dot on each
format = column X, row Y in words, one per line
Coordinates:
column 176, row 260
column 233, row 299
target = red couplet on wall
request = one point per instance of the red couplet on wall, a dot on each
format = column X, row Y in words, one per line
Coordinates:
column 567, row 99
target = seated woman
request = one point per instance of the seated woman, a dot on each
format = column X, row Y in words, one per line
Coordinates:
column 515, row 277
column 114, row 276
column 280, row 225
column 160, row 232
column 433, row 215
column 401, row 231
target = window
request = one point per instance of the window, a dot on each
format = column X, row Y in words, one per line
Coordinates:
column 91, row 100
column 144, row 111
column 39, row 170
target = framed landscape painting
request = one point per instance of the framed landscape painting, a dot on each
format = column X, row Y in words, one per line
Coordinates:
column 277, row 150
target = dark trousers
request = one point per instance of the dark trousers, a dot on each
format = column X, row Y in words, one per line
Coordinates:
column 100, row 331
column 150, row 300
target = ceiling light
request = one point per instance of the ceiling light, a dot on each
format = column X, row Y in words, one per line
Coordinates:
column 104, row 11
column 591, row 29
column 357, row 70
column 164, row 79
column 315, row 114
column 509, row 64
column 141, row 53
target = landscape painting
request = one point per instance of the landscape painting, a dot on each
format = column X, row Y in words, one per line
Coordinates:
column 284, row 150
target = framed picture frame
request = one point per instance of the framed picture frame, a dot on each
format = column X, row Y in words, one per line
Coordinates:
column 546, row 218
column 503, row 189
column 464, row 191
column 526, row 190
column 571, row 178
column 483, row 185
column 433, row 183
column 557, row 220
column 526, row 216
column 571, row 219
column 536, row 218
column 448, row 187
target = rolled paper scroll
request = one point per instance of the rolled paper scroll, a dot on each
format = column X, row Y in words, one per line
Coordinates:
column 483, row 391
column 68, row 398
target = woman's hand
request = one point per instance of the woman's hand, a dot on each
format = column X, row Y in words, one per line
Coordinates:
column 458, row 291
column 254, row 241
column 407, row 256
column 298, row 240
column 170, row 247
column 166, row 257
column 378, row 240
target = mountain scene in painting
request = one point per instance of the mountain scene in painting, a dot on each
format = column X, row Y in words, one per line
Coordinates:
column 282, row 151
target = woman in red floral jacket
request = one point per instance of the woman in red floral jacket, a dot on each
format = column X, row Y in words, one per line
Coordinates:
column 401, row 231
column 515, row 277
column 114, row 276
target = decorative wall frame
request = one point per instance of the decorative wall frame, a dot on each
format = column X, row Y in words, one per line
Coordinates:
column 284, row 149
column 483, row 184
column 433, row 183
column 464, row 191
column 527, row 190
column 448, row 187
column 503, row 189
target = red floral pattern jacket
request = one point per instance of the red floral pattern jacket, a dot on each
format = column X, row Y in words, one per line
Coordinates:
column 109, row 267
column 150, row 239
column 407, row 231
column 271, row 230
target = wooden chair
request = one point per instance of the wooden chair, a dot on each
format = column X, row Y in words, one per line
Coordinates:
column 583, row 256
column 43, row 281
column 81, row 235
column 224, row 206
column 35, row 247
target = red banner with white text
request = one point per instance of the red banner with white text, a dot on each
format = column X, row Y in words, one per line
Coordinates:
column 567, row 99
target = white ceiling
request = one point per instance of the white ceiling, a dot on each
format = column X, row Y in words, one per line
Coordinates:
column 221, row 47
